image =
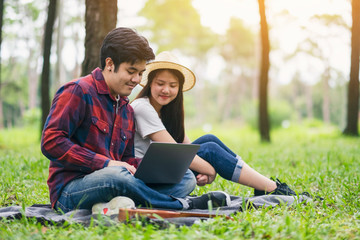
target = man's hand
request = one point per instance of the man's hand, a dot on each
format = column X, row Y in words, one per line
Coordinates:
column 202, row 179
column 129, row 167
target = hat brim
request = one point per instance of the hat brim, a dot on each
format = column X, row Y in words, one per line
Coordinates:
column 189, row 76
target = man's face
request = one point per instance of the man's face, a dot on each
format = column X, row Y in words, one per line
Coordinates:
column 125, row 79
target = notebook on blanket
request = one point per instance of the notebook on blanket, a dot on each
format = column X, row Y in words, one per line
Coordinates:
column 166, row 162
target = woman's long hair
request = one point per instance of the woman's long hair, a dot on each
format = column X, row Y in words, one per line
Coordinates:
column 172, row 114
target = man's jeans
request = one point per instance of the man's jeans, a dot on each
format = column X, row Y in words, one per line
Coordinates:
column 225, row 162
column 110, row 182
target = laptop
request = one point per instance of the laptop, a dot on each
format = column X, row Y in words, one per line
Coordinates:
column 166, row 162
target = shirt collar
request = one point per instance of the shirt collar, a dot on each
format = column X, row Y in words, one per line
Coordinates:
column 102, row 87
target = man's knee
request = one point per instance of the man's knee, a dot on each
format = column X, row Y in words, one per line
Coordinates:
column 111, row 176
column 190, row 181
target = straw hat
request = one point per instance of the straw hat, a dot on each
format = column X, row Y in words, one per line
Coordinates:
column 166, row 60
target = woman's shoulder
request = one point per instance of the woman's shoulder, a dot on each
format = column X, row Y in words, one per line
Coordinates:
column 140, row 100
column 140, row 103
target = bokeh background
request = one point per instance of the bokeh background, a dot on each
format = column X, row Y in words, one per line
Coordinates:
column 310, row 53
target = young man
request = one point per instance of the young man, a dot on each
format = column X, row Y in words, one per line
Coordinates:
column 89, row 136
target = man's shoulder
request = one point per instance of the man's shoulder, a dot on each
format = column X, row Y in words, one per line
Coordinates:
column 85, row 83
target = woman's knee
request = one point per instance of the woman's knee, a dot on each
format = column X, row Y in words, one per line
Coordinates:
column 209, row 147
column 211, row 138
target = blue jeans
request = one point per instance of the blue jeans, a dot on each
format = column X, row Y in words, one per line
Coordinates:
column 226, row 163
column 110, row 182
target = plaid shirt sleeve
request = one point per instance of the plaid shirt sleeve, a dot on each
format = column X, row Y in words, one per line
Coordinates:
column 66, row 114
column 129, row 153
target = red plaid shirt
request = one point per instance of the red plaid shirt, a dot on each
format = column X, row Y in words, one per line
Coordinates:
column 85, row 129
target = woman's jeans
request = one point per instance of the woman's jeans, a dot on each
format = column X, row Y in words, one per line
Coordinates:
column 226, row 163
column 110, row 182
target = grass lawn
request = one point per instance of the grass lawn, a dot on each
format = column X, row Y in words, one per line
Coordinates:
column 317, row 159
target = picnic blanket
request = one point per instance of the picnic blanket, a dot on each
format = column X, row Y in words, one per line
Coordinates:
column 44, row 214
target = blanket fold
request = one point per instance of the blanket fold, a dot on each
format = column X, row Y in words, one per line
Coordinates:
column 44, row 214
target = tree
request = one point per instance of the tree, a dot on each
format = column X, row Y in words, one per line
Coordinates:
column 23, row 27
column 322, row 49
column 264, row 125
column 59, row 69
column 45, row 75
column 100, row 18
column 176, row 25
column 353, row 87
column 316, row 51
column 1, row 23
column 238, row 50
column 33, row 40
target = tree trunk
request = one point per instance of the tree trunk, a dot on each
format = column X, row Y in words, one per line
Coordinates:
column 221, row 100
column 309, row 102
column 60, row 70
column 45, row 75
column 264, row 124
column 235, row 90
column 326, row 96
column 33, row 79
column 76, row 71
column 353, row 87
column 1, row 23
column 100, row 18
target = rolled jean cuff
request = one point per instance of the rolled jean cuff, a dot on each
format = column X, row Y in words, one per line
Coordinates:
column 237, row 171
column 183, row 201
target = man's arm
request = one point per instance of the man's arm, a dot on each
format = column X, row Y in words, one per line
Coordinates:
column 66, row 114
column 129, row 155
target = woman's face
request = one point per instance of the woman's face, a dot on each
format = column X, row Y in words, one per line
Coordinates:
column 164, row 88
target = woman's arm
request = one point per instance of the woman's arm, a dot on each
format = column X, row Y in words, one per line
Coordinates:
column 198, row 164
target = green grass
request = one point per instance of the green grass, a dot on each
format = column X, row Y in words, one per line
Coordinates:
column 317, row 159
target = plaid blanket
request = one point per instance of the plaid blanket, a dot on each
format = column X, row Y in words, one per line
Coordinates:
column 44, row 214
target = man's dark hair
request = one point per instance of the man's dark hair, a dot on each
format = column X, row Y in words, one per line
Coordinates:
column 125, row 45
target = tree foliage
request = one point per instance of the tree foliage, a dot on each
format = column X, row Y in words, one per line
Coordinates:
column 238, row 50
column 239, row 43
column 22, row 32
column 175, row 24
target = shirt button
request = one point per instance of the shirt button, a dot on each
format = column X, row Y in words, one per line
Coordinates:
column 115, row 125
column 104, row 130
column 112, row 144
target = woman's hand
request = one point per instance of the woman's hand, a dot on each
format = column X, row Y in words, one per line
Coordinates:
column 129, row 167
column 202, row 179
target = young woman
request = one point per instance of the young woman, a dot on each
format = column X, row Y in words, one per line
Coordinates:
column 159, row 116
